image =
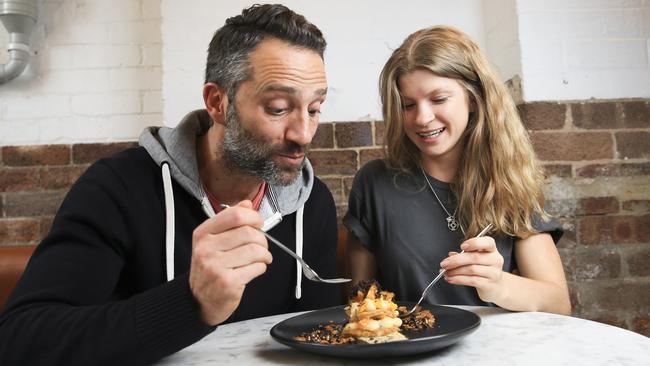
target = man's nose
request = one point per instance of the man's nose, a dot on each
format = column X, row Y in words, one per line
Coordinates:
column 301, row 129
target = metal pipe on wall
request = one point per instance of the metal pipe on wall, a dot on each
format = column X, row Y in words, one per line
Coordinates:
column 19, row 19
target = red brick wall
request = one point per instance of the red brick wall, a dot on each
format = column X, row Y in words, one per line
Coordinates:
column 597, row 154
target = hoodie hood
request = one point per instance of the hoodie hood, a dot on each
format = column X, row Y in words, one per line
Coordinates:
column 177, row 147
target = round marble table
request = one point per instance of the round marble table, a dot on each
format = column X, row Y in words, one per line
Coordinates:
column 504, row 338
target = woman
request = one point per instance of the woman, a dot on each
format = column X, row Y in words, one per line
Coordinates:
column 457, row 159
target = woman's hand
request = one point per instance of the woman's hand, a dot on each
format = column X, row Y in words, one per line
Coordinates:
column 480, row 266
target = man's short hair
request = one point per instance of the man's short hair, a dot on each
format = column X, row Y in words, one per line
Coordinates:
column 228, row 55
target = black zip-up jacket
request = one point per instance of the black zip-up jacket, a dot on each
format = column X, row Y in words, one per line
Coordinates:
column 95, row 290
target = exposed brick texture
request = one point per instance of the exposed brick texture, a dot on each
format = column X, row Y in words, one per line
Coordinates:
column 633, row 144
column 558, row 170
column 596, row 230
column 641, row 324
column 379, row 133
column 36, row 155
column 33, row 203
column 543, row 115
column 61, row 177
column 568, row 240
column 574, row 146
column 614, row 170
column 347, row 186
column 335, row 186
column 595, row 115
column 343, row 162
column 324, row 138
column 611, row 319
column 45, row 225
column 638, row 263
column 592, row 264
column 595, row 155
column 574, row 298
column 370, row 154
column 636, row 114
column 637, row 206
column 18, row 231
column 624, row 296
column 88, row 153
column 18, row 179
column 597, row 206
column 353, row 134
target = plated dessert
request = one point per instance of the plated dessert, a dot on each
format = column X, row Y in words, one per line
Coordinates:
column 373, row 317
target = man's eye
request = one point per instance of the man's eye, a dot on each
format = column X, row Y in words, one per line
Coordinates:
column 314, row 112
column 276, row 111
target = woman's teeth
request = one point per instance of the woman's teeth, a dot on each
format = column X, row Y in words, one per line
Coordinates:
column 433, row 133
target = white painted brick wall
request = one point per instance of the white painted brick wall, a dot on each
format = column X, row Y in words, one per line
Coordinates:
column 581, row 49
column 99, row 72
column 502, row 37
column 361, row 34
column 95, row 74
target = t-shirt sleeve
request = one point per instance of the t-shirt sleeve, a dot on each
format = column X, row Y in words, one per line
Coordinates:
column 358, row 219
column 550, row 226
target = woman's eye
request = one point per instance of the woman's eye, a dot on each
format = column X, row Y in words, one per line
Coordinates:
column 408, row 106
column 439, row 100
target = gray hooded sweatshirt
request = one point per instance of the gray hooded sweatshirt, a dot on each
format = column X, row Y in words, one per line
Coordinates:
column 174, row 149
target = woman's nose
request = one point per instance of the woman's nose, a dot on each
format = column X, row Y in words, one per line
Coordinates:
column 424, row 115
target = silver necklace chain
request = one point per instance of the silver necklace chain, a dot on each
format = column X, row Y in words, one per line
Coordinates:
column 452, row 222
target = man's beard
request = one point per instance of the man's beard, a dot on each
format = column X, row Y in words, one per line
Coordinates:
column 253, row 154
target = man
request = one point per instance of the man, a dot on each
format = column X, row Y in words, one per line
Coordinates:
column 142, row 261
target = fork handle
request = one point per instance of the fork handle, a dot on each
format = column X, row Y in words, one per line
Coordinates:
column 439, row 276
column 275, row 241
column 282, row 246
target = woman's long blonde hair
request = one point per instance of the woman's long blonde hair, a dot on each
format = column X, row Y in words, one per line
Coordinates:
column 499, row 179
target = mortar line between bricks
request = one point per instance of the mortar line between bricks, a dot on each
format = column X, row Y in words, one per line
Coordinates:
column 597, row 161
column 592, row 130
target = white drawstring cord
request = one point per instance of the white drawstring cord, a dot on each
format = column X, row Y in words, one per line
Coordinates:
column 169, row 221
column 299, row 215
column 207, row 207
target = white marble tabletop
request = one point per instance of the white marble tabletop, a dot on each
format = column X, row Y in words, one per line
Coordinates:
column 503, row 338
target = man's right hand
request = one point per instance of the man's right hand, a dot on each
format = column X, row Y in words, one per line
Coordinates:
column 228, row 251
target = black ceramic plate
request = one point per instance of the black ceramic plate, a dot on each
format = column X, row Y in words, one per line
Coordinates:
column 450, row 326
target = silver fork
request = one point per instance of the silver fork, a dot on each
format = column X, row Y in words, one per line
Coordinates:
column 439, row 276
column 309, row 273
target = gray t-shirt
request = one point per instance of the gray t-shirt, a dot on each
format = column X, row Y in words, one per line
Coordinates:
column 399, row 220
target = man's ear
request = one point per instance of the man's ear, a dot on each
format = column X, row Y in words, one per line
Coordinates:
column 215, row 99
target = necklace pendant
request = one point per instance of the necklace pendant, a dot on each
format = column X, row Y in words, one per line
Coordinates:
column 452, row 223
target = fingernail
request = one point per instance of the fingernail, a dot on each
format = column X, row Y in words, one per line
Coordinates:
column 444, row 263
column 464, row 246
